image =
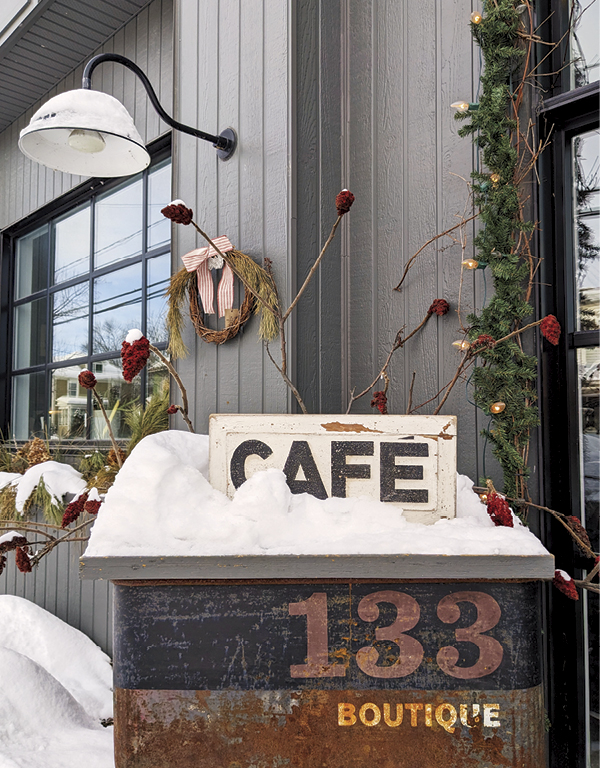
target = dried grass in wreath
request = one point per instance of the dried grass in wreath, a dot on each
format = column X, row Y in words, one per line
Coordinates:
column 184, row 284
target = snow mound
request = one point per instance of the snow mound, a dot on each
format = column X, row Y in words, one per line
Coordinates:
column 41, row 724
column 73, row 660
column 162, row 504
column 58, row 478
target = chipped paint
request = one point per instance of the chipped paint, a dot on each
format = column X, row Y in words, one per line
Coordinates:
column 336, row 426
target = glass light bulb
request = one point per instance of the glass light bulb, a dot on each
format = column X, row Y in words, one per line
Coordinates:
column 497, row 407
column 462, row 106
column 462, row 345
column 89, row 142
column 521, row 8
column 476, row 17
column 470, row 263
column 495, row 178
column 484, row 498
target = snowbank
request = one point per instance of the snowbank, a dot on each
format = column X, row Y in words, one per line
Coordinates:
column 66, row 653
column 59, row 479
column 163, row 504
column 42, row 724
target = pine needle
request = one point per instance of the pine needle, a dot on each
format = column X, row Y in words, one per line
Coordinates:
column 260, row 282
column 176, row 295
column 153, row 418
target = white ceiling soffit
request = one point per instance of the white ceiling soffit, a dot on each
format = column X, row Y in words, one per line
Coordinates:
column 41, row 41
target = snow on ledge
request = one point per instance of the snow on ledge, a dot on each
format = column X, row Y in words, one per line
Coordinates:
column 163, row 505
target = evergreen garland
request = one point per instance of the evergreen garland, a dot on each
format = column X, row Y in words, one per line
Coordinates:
column 506, row 373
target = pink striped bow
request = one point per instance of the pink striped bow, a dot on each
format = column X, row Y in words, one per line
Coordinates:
column 198, row 260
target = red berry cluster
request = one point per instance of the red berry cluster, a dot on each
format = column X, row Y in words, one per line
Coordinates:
column 178, row 213
column 172, row 409
column 87, row 380
column 483, row 342
column 439, row 307
column 343, row 202
column 22, row 559
column 74, row 509
column 499, row 511
column 92, row 506
column 379, row 401
column 16, row 541
column 134, row 357
column 550, row 328
column 566, row 586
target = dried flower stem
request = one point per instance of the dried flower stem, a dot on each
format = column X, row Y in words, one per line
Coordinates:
column 109, row 427
column 183, row 409
column 413, row 258
column 313, row 269
column 560, row 517
column 410, row 392
column 398, row 343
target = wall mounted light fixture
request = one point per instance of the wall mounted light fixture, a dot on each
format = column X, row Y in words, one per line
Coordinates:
column 90, row 133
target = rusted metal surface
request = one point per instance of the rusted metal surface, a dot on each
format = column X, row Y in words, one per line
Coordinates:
column 328, row 675
column 269, row 729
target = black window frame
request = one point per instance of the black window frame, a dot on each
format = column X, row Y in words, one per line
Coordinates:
column 564, row 112
column 159, row 150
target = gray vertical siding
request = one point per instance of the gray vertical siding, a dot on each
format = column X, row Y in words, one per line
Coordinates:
column 233, row 69
column 375, row 82
column 148, row 40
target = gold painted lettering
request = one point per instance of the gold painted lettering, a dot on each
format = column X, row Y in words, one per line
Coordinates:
column 387, row 715
column 464, row 715
column 414, row 708
column 428, row 719
column 362, row 713
column 446, row 723
column 490, row 713
column 346, row 714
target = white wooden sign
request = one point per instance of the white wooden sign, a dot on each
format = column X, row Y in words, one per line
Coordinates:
column 407, row 461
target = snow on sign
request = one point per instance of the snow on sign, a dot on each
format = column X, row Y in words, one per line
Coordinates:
column 406, row 461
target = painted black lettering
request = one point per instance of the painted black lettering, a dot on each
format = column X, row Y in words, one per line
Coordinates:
column 237, row 465
column 390, row 472
column 300, row 455
column 340, row 471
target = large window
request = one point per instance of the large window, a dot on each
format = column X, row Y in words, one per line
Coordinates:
column 80, row 281
column 570, row 289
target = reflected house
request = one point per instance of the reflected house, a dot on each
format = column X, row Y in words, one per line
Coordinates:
column 68, row 416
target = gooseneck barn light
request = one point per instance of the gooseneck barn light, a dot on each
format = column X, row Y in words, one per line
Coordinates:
column 90, row 133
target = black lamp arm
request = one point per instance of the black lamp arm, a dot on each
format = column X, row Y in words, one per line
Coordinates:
column 226, row 142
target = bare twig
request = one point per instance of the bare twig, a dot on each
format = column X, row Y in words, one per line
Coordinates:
column 287, row 381
column 116, row 448
column 413, row 258
column 183, row 409
column 410, row 392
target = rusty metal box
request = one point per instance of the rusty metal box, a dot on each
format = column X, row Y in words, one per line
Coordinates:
column 397, row 669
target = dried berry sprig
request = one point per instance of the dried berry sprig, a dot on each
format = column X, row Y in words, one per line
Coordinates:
column 74, row 509
column 22, row 559
column 88, row 381
column 565, row 584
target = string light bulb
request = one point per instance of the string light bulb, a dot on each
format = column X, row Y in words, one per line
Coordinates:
column 462, row 345
column 465, row 106
column 470, row 263
column 495, row 178
column 521, row 8
column 497, row 407
column 476, row 17
column 483, row 498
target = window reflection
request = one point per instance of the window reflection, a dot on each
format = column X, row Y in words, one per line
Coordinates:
column 117, row 307
column 30, row 334
column 159, row 272
column 119, row 218
column 585, row 51
column 31, row 266
column 68, row 407
column 29, row 406
column 118, row 397
column 586, row 196
column 70, row 314
column 72, row 245
column 159, row 195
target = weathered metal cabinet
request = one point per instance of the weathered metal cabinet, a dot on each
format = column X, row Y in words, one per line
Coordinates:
column 346, row 661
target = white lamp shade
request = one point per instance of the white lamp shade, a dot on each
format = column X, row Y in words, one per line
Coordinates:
column 46, row 138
